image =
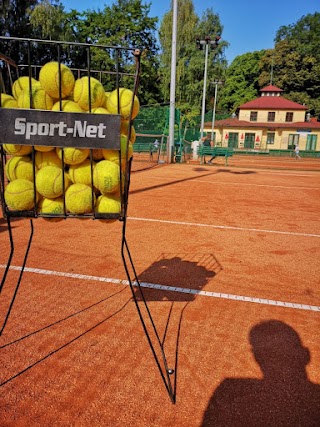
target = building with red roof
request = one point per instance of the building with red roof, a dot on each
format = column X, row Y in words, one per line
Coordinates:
column 268, row 122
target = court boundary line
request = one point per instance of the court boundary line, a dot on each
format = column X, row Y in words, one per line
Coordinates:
column 225, row 227
column 219, row 295
column 257, row 185
column 247, row 184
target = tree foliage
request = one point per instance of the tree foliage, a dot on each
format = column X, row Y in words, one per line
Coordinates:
column 241, row 84
column 295, row 61
column 15, row 22
column 293, row 64
column 305, row 34
column 126, row 23
column 46, row 18
column 190, row 61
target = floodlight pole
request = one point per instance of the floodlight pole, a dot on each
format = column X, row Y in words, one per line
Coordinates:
column 200, row 43
column 204, row 90
column 214, row 107
column 170, row 144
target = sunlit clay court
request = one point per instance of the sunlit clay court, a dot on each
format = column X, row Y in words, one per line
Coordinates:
column 227, row 259
column 159, row 214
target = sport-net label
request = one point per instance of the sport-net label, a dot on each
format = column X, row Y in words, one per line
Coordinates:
column 64, row 129
column 80, row 129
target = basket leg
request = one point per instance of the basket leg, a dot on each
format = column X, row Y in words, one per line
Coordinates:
column 7, row 314
column 10, row 255
column 160, row 359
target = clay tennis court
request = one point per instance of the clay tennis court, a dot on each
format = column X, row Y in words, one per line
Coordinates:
column 229, row 257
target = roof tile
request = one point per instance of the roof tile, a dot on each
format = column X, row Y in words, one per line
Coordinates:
column 271, row 88
column 236, row 123
column 272, row 103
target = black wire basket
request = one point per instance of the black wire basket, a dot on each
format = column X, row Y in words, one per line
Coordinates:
column 60, row 108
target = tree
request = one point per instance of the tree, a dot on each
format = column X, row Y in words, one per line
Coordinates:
column 190, row 60
column 124, row 24
column 14, row 22
column 295, row 60
column 46, row 18
column 242, row 81
column 32, row 19
column 305, row 34
column 187, row 21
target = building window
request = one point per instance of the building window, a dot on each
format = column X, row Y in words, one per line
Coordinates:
column 289, row 117
column 311, row 142
column 270, row 137
column 253, row 116
column 293, row 141
column 271, row 116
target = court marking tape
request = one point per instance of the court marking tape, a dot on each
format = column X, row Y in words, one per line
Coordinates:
column 224, row 227
column 311, row 174
column 219, row 295
column 257, row 185
column 293, row 187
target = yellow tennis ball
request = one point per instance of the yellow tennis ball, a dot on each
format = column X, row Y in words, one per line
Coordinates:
column 81, row 93
column 23, row 83
column 43, row 148
column 19, row 167
column 82, row 173
column 106, row 97
column 49, row 182
column 80, row 198
column 106, row 177
column 125, row 147
column 47, row 158
column 8, row 101
column 17, row 150
column 113, row 155
column 67, row 105
column 124, row 130
column 109, row 204
column 126, row 98
column 100, row 110
column 49, row 77
column 73, row 156
column 51, row 207
column 19, row 195
column 40, row 99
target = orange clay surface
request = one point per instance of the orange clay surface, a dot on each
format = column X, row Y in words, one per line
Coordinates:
column 244, row 344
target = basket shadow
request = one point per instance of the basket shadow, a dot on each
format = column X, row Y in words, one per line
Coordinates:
column 4, row 224
column 178, row 278
column 23, row 340
column 161, row 282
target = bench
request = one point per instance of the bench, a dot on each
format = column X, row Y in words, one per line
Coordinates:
column 215, row 152
column 142, row 147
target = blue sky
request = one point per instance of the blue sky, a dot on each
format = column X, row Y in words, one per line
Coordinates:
column 249, row 25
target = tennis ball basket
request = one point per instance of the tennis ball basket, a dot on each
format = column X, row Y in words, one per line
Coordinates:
column 66, row 146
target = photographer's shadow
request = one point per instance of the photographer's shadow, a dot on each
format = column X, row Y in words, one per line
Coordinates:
column 284, row 397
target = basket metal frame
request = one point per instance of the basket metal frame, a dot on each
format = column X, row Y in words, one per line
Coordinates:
column 149, row 327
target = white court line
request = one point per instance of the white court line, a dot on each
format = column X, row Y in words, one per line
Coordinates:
column 224, row 227
column 219, row 295
column 311, row 174
column 257, row 185
column 293, row 187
